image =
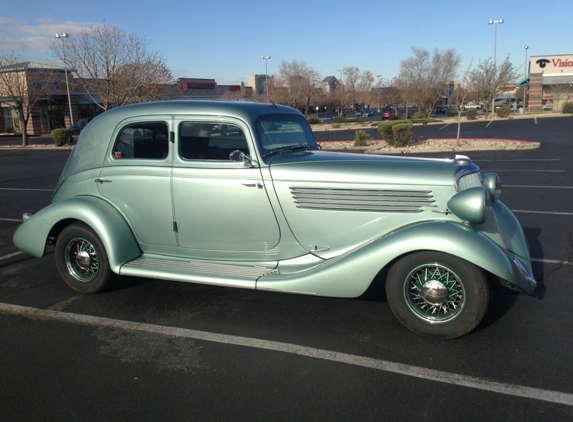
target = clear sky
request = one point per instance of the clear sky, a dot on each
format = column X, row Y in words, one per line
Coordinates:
column 225, row 39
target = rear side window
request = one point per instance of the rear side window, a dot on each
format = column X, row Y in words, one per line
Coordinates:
column 210, row 141
column 146, row 140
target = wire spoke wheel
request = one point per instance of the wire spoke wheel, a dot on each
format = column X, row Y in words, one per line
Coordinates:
column 81, row 260
column 434, row 293
column 437, row 294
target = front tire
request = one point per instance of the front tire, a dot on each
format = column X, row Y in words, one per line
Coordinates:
column 82, row 260
column 437, row 295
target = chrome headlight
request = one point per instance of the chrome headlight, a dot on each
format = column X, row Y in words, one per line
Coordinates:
column 492, row 183
column 471, row 205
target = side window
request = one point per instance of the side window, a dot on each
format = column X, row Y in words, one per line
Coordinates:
column 146, row 140
column 210, row 141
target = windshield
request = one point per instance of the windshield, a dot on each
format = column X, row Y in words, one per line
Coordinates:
column 279, row 133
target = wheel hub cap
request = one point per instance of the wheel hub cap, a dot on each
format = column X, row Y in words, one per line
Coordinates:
column 434, row 292
column 83, row 259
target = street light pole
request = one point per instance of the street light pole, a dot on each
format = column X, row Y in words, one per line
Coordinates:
column 265, row 58
column 525, row 75
column 62, row 36
column 494, row 22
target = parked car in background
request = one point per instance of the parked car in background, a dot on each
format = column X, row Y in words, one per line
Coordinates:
column 239, row 194
column 439, row 109
column 388, row 113
column 368, row 112
column 472, row 105
column 77, row 128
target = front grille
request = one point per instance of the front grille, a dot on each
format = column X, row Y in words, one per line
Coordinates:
column 371, row 200
column 471, row 180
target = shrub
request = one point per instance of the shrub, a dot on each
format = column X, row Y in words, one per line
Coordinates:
column 60, row 136
column 568, row 107
column 341, row 119
column 361, row 138
column 503, row 111
column 398, row 137
column 313, row 120
column 419, row 116
column 402, row 134
column 336, row 125
column 471, row 114
column 451, row 112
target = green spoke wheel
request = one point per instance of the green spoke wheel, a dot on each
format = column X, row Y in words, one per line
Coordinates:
column 437, row 294
column 82, row 260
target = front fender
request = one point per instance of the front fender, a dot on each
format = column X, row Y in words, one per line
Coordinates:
column 120, row 244
column 350, row 274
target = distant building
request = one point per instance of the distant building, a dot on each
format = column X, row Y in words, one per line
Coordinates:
column 208, row 89
column 550, row 82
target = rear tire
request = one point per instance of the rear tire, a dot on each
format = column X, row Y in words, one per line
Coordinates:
column 437, row 295
column 82, row 260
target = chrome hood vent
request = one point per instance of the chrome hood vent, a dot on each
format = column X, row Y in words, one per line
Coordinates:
column 371, row 200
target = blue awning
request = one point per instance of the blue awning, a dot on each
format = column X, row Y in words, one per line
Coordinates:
column 522, row 82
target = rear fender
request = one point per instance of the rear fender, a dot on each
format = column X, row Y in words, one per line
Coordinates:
column 116, row 235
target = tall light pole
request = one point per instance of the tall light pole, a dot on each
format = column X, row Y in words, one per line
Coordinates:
column 525, row 75
column 494, row 22
column 340, row 92
column 265, row 58
column 62, row 36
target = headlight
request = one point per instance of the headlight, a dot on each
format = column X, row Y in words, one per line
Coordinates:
column 471, row 205
column 492, row 183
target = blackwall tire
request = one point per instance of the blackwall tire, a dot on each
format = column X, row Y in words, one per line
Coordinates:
column 82, row 260
column 437, row 295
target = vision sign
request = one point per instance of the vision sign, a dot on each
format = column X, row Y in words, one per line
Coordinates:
column 552, row 64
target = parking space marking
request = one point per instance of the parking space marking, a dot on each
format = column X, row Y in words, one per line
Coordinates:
column 327, row 355
column 543, row 212
column 538, row 187
column 10, row 255
column 551, row 261
column 28, row 190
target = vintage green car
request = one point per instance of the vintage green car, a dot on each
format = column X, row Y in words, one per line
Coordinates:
column 240, row 194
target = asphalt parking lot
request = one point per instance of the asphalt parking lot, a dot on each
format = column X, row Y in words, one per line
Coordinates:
column 156, row 350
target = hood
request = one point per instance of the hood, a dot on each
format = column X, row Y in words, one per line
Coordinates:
column 320, row 166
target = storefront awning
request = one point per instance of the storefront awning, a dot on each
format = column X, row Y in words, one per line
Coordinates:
column 522, row 82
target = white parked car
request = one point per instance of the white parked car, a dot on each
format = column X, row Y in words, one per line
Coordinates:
column 472, row 105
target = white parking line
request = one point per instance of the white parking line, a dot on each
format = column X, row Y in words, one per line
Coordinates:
column 537, row 187
column 543, row 212
column 551, row 261
column 361, row 361
column 10, row 255
column 28, row 190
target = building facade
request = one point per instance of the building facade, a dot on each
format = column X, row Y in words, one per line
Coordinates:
column 550, row 82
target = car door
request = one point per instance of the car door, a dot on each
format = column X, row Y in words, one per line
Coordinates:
column 136, row 179
column 222, row 210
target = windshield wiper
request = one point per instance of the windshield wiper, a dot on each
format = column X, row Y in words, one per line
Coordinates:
column 290, row 148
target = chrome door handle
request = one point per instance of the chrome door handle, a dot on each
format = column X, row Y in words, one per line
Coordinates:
column 253, row 185
column 100, row 180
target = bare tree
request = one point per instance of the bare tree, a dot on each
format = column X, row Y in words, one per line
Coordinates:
column 424, row 76
column 489, row 81
column 115, row 68
column 300, row 83
column 22, row 86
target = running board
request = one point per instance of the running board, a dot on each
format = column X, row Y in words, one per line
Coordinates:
column 194, row 271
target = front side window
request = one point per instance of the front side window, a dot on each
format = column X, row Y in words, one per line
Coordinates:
column 279, row 133
column 210, row 141
column 146, row 140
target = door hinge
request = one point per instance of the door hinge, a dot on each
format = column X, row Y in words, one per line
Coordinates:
column 175, row 226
